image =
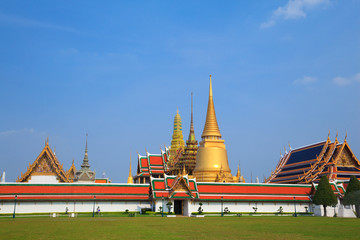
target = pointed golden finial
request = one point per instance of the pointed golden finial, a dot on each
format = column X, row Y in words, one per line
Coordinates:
column 47, row 140
column 211, row 128
column 336, row 135
column 289, row 146
column 328, row 138
column 184, row 171
column 130, row 178
column 210, row 89
column 345, row 136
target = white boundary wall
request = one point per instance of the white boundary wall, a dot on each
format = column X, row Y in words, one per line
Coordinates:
column 215, row 206
column 73, row 206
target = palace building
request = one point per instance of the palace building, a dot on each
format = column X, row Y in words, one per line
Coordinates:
column 307, row 164
column 186, row 177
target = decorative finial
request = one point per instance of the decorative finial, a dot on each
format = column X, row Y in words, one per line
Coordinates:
column 86, row 140
column 55, row 150
column 47, row 140
column 289, row 145
column 345, row 136
column 210, row 88
column 336, row 135
column 177, row 110
column 329, row 134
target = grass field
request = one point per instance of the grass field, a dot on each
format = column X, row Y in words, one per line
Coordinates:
column 179, row 228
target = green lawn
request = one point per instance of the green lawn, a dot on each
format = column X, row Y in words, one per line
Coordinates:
column 179, row 228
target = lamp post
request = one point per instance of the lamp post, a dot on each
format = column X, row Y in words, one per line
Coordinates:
column 94, row 207
column 162, row 207
column 222, row 211
column 14, row 206
column 295, row 208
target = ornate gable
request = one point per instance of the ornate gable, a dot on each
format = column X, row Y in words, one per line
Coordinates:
column 46, row 164
column 346, row 157
column 70, row 174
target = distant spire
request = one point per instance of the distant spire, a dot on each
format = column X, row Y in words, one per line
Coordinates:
column 130, row 178
column 211, row 128
column 85, row 163
column 192, row 131
column 184, row 171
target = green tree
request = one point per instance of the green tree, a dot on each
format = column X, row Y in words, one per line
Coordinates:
column 324, row 194
column 169, row 206
column 352, row 194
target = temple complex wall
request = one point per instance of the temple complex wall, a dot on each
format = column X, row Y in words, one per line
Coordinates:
column 72, row 206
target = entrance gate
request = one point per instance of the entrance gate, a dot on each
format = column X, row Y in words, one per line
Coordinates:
column 178, row 207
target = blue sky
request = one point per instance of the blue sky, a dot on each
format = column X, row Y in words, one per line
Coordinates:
column 283, row 71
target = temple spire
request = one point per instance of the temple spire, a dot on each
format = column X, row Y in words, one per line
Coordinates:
column 130, row 178
column 85, row 163
column 192, row 131
column 211, row 128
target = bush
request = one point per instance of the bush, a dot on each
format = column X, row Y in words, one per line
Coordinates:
column 144, row 210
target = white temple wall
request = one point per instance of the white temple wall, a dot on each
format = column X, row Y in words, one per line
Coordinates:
column 340, row 210
column 43, row 179
column 78, row 206
column 268, row 207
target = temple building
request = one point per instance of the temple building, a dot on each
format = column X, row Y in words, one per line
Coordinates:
column 188, row 158
column 45, row 169
column 154, row 165
column 85, row 174
column 211, row 161
column 307, row 164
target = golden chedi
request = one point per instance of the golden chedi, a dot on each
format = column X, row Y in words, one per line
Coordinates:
column 211, row 161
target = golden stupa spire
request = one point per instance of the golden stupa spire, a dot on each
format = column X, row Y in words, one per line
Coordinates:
column 211, row 128
column 130, row 178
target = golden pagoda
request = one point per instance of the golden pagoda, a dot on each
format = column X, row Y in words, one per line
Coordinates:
column 211, row 161
column 177, row 142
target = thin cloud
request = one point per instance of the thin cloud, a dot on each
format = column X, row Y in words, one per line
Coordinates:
column 26, row 22
column 13, row 132
column 345, row 81
column 306, row 80
column 294, row 9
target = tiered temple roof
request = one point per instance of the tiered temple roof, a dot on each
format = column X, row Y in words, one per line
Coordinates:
column 175, row 187
column 307, row 164
column 151, row 165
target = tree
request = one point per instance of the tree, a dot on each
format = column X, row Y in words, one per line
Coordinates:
column 169, row 206
column 324, row 194
column 352, row 194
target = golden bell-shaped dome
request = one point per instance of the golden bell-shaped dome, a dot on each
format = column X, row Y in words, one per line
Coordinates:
column 211, row 160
